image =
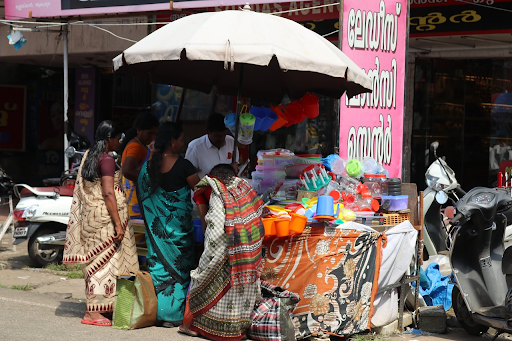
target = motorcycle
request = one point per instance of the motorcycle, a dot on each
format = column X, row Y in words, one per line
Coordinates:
column 42, row 213
column 442, row 185
column 481, row 266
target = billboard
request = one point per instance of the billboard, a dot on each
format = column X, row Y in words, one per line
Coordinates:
column 20, row 9
column 371, row 124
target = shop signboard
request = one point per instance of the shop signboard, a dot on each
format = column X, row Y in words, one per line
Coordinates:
column 12, row 117
column 85, row 79
column 455, row 17
column 19, row 9
column 371, row 124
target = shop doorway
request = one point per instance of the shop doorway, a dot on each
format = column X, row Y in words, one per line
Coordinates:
column 465, row 105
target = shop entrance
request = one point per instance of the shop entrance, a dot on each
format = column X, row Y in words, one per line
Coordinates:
column 466, row 105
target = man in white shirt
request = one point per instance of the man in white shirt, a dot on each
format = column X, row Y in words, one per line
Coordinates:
column 213, row 148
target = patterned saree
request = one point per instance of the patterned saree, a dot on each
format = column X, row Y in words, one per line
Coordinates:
column 226, row 284
column 90, row 242
column 170, row 257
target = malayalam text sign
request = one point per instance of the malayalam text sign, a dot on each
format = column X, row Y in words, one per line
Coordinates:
column 371, row 124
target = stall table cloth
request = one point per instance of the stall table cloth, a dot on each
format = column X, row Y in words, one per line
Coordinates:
column 334, row 271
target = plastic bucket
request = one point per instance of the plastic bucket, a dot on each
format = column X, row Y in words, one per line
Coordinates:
column 282, row 227
column 270, row 118
column 281, row 118
column 260, row 115
column 298, row 223
column 310, row 105
column 230, row 122
column 198, row 231
column 270, row 226
column 246, row 131
column 325, row 206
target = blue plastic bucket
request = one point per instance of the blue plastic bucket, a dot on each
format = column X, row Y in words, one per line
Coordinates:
column 270, row 118
column 325, row 206
column 198, row 231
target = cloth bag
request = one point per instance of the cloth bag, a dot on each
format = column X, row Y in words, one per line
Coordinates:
column 272, row 316
column 136, row 302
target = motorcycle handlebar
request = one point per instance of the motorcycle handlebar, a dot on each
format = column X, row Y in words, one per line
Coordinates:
column 458, row 217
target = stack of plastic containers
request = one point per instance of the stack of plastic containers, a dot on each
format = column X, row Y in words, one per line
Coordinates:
column 270, row 168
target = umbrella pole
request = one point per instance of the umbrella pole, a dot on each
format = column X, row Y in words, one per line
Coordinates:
column 180, row 106
column 238, row 107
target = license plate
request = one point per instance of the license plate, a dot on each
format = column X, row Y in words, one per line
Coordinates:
column 20, row 232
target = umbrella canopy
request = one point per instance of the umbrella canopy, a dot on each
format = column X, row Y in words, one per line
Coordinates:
column 276, row 56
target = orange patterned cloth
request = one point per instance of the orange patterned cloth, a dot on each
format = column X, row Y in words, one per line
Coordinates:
column 334, row 271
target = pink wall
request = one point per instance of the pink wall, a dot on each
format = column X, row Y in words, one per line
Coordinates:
column 371, row 124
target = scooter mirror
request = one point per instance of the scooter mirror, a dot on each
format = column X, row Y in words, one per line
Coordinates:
column 434, row 145
column 441, row 197
column 70, row 152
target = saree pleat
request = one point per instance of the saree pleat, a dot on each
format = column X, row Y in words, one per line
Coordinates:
column 170, row 256
column 90, row 242
column 220, row 308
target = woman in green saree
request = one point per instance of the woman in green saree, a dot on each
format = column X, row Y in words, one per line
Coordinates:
column 163, row 190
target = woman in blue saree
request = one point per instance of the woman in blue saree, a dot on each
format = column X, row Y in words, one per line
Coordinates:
column 163, row 190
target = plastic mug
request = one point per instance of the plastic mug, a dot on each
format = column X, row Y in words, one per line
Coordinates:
column 298, row 223
column 325, row 206
column 230, row 122
column 282, row 227
column 246, row 131
column 270, row 226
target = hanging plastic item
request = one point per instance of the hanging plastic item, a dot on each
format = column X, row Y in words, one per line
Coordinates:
column 310, row 105
column 246, row 130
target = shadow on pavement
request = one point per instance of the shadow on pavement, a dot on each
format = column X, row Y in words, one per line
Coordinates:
column 18, row 262
column 70, row 309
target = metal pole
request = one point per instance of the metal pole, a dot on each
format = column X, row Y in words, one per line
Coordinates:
column 182, row 101
column 238, row 107
column 337, row 103
column 66, row 95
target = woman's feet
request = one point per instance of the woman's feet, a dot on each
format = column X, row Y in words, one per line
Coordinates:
column 185, row 330
column 96, row 319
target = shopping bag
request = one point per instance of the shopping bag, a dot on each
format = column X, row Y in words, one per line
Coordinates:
column 136, row 302
column 271, row 318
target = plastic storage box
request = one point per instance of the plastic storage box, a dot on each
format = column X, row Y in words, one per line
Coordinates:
column 397, row 202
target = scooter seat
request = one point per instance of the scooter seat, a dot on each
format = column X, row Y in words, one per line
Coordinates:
column 496, row 312
column 63, row 191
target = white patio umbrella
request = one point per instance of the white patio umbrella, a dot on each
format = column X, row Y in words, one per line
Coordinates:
column 243, row 53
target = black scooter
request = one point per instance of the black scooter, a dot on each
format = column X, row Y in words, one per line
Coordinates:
column 481, row 268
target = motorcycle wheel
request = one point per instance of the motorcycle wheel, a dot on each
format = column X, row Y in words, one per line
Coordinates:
column 463, row 315
column 43, row 257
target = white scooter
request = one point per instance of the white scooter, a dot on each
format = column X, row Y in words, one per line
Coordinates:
column 442, row 185
column 41, row 213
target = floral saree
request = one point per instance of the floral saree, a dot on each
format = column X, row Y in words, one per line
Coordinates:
column 170, row 257
column 90, row 241
column 225, row 285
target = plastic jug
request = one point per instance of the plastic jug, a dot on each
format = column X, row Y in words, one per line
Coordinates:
column 230, row 122
column 246, row 131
